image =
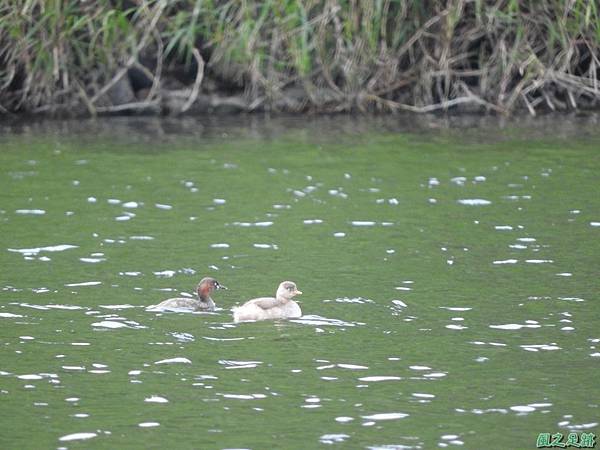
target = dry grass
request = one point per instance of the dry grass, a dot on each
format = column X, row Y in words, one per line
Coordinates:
column 318, row 55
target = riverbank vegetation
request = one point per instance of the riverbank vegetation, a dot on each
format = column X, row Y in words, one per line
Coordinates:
column 197, row 56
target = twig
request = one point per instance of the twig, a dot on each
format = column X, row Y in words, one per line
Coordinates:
column 199, row 76
column 429, row 108
column 128, row 106
column 86, row 100
column 529, row 106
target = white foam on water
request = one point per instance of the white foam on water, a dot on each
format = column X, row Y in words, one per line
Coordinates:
column 376, row 378
column 148, row 424
column 536, row 347
column 35, row 212
column 219, row 245
column 474, row 202
column 243, row 396
column 513, row 326
column 163, row 206
column 352, row 366
column 344, row 419
column 9, row 315
column 265, row 246
column 165, row 273
column 179, row 360
column 84, row 283
column 571, row 299
column 77, row 437
column 449, row 437
column 419, row 367
column 583, row 426
column 522, row 408
column 385, row 416
column 333, row 438
column 31, row 376
column 503, row 227
column 51, row 248
column 65, row 307
column 435, row 375
column 362, row 223
column 339, row 234
column 156, row 399
column 28, row 305
column 359, row 300
column 131, row 204
column 456, row 308
column 421, row 395
column 110, row 324
column 141, row 238
column 458, row 180
column 540, row 405
column 506, row 261
column 231, row 364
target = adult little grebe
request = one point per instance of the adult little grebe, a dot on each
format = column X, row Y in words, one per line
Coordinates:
column 202, row 303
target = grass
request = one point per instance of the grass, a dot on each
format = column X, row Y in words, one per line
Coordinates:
column 332, row 55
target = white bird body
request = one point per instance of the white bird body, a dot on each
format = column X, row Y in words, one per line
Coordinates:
column 263, row 308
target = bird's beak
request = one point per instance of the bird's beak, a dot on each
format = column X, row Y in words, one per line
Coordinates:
column 220, row 286
column 297, row 292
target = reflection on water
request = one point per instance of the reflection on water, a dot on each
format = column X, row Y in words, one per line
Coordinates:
column 450, row 272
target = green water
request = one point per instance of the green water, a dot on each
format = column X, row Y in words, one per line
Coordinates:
column 450, row 283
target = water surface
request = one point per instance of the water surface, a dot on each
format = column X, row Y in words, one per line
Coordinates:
column 450, row 280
